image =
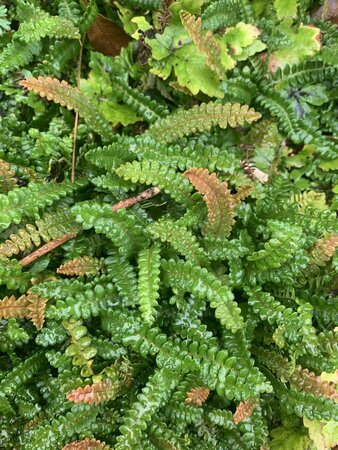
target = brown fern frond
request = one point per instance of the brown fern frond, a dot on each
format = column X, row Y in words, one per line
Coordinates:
column 244, row 410
column 218, row 198
column 83, row 265
column 94, row 393
column 36, row 309
column 324, row 249
column 62, row 93
column 205, row 43
column 308, row 381
column 197, row 396
column 13, row 308
column 7, row 177
column 29, row 306
column 86, row 444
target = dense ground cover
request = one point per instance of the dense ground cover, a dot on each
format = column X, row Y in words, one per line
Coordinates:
column 168, row 229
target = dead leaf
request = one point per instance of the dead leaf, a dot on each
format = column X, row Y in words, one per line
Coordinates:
column 107, row 37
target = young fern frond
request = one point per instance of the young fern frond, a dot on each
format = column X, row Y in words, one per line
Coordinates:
column 201, row 118
column 12, row 276
column 148, row 281
column 64, row 94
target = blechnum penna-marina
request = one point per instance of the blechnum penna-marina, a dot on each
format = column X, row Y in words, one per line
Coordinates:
column 168, row 229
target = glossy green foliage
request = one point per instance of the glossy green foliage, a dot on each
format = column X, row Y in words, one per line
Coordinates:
column 29, row 201
column 205, row 168
column 148, row 281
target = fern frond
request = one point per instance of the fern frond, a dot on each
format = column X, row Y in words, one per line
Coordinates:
column 304, row 380
column 41, row 24
column 51, row 226
column 142, row 104
column 29, row 306
column 124, row 276
column 197, row 396
column 87, row 444
column 244, row 410
column 144, row 4
column 64, row 94
column 83, row 265
column 308, row 72
column 280, row 248
column 89, row 16
column 206, row 44
column 224, row 13
column 324, row 249
column 182, row 240
column 149, row 281
column 7, row 177
column 80, row 348
column 94, row 393
column 12, row 276
column 124, row 228
column 182, row 276
column 218, row 199
column 156, row 174
column 27, row 201
column 201, row 118
column 111, row 156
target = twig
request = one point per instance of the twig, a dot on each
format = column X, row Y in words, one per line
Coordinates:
column 148, row 193
column 46, row 248
column 76, row 121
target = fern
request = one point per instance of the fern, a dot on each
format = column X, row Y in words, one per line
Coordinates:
column 201, row 118
column 148, row 282
column 7, row 179
column 181, row 277
column 51, row 226
column 27, row 201
column 61, row 92
column 223, row 13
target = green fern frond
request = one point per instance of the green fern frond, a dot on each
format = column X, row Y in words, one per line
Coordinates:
column 224, row 13
column 148, row 281
column 64, row 94
column 182, row 240
column 156, row 174
column 144, row 4
column 142, row 104
column 201, row 118
column 89, row 16
column 27, row 201
column 111, row 156
column 185, row 277
column 18, row 54
column 122, row 227
column 308, row 72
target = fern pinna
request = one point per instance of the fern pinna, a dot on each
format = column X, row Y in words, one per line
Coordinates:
column 181, row 292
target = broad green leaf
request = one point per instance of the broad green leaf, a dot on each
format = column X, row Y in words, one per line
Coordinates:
column 117, row 113
column 287, row 439
column 286, row 8
column 303, row 42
